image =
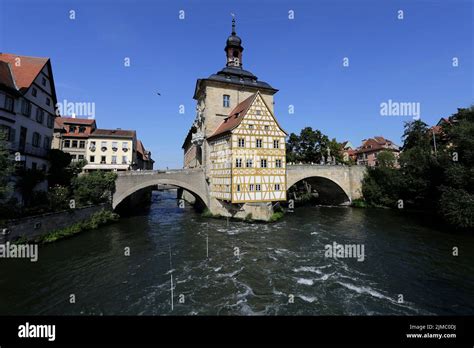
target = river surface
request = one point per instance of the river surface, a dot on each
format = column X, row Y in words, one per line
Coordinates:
column 278, row 269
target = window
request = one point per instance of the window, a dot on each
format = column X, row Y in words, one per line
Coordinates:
column 102, row 159
column 82, row 129
column 67, row 143
column 72, row 129
column 124, row 145
column 39, row 115
column 103, row 145
column 26, row 108
column 249, row 163
column 266, row 128
column 82, row 144
column 114, row 159
column 48, row 101
column 43, row 82
column 278, row 163
column 250, row 126
column 257, row 187
column 36, row 139
column 114, row 145
column 241, row 142
column 80, row 157
column 277, row 187
column 74, row 143
column 34, row 92
column 124, row 160
column 238, row 187
column 251, row 187
column 276, row 144
column 50, row 121
column 263, row 163
column 46, row 143
column 258, row 142
column 226, row 100
column 9, row 103
column 92, row 146
column 238, row 162
column 34, row 165
column 258, row 112
column 73, row 157
column 92, row 159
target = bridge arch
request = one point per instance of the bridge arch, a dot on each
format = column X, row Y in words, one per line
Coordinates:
column 129, row 183
column 341, row 184
column 328, row 190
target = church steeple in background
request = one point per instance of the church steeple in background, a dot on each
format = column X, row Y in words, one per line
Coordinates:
column 234, row 48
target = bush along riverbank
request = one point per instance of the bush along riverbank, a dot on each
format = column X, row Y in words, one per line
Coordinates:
column 96, row 220
column 434, row 174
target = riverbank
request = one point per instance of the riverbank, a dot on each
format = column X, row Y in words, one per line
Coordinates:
column 50, row 227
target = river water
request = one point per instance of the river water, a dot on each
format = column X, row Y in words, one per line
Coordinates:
column 277, row 269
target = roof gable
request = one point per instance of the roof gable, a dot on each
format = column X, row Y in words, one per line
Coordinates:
column 25, row 69
column 240, row 112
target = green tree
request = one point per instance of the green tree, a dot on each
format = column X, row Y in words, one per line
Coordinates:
column 93, row 188
column 386, row 159
column 59, row 173
column 310, row 145
column 27, row 181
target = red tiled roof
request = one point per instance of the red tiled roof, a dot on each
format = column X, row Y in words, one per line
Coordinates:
column 26, row 71
column 60, row 121
column 141, row 150
column 114, row 133
column 375, row 144
column 235, row 117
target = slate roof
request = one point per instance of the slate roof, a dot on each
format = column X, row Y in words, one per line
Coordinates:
column 236, row 76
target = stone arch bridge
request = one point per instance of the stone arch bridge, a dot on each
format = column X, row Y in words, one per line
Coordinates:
column 342, row 181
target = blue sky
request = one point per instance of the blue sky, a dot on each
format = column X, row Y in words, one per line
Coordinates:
column 407, row 60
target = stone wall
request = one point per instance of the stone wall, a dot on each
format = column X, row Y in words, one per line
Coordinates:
column 35, row 226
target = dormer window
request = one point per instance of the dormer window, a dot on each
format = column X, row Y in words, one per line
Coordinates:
column 72, row 129
column 34, row 92
column 82, row 129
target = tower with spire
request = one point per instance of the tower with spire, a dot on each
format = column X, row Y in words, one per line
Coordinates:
column 236, row 139
column 217, row 95
column 233, row 48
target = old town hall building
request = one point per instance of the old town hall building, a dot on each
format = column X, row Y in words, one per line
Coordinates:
column 236, row 138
